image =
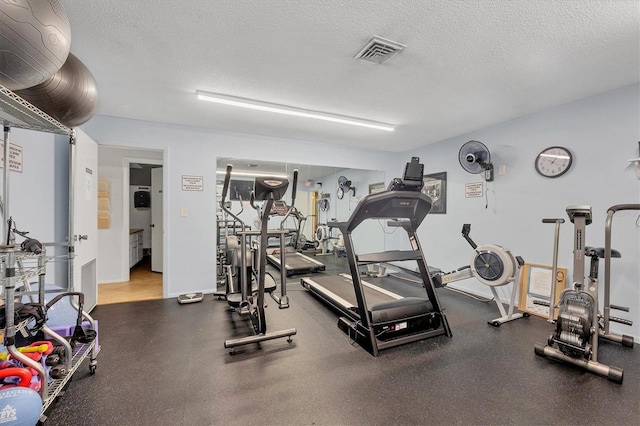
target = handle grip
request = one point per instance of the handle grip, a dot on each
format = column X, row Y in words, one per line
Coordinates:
column 552, row 220
column 24, row 376
column 619, row 207
column 293, row 189
column 227, row 179
column 33, row 349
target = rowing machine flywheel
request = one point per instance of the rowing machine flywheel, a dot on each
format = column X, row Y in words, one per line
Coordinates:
column 573, row 328
column 493, row 265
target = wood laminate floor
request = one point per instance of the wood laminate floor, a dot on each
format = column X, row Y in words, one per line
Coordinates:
column 142, row 285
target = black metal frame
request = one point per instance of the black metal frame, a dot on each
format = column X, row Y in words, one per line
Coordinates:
column 407, row 209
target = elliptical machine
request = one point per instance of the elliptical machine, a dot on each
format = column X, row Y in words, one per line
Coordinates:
column 252, row 303
column 575, row 339
column 239, row 264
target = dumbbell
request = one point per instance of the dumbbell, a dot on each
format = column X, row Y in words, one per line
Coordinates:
column 58, row 372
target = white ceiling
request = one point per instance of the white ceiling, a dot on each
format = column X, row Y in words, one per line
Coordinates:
column 467, row 65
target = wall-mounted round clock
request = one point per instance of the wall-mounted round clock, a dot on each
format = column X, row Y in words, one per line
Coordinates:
column 554, row 161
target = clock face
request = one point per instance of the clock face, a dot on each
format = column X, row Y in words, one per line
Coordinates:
column 554, row 161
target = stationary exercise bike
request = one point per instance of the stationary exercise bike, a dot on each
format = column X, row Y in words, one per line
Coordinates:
column 493, row 266
column 579, row 325
column 267, row 189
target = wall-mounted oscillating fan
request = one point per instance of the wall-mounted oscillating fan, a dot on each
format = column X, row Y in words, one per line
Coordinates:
column 475, row 158
column 344, row 185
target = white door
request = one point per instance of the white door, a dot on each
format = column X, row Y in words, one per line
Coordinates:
column 85, row 215
column 156, row 219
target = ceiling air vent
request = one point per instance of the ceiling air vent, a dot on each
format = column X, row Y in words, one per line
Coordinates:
column 379, row 50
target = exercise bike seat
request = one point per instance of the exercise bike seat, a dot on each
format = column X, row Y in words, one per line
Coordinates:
column 598, row 252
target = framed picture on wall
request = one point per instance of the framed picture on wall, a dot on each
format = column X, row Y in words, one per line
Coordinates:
column 435, row 187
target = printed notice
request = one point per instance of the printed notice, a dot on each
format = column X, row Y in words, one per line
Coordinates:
column 535, row 289
column 192, row 183
column 88, row 184
column 473, row 190
column 15, row 157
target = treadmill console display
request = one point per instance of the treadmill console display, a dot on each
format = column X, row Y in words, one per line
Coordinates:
column 412, row 178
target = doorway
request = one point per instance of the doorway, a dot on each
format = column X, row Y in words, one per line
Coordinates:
column 140, row 230
column 143, row 284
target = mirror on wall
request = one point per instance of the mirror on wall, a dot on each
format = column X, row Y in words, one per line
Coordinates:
column 323, row 194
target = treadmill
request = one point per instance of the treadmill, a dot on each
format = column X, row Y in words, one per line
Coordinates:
column 295, row 263
column 374, row 317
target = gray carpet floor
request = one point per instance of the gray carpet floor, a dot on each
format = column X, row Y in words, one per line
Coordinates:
column 163, row 363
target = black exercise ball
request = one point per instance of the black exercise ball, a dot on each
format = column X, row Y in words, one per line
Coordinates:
column 70, row 96
column 35, row 36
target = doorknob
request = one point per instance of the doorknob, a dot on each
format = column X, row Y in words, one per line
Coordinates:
column 83, row 237
column 152, row 225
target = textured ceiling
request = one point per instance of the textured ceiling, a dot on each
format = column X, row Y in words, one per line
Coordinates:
column 467, row 65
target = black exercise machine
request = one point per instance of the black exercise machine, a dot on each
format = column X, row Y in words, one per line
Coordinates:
column 240, row 263
column 579, row 325
column 266, row 189
column 374, row 317
column 294, row 262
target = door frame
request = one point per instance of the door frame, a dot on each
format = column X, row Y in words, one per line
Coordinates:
column 126, row 164
column 157, row 213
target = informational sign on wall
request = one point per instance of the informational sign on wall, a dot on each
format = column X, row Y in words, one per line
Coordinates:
column 473, row 190
column 15, row 157
column 192, row 183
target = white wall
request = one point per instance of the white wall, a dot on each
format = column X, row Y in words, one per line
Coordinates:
column 38, row 196
column 602, row 132
column 189, row 255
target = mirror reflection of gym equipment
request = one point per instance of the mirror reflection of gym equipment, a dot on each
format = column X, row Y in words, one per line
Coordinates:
column 294, row 261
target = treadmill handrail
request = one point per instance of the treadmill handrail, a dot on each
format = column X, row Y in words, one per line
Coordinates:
column 388, row 256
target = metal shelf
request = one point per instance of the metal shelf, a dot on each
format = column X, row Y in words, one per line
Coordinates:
column 16, row 112
column 80, row 353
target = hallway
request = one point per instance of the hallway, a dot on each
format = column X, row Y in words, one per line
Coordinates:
column 142, row 285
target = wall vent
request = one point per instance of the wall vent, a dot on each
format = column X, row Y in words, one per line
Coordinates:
column 379, row 50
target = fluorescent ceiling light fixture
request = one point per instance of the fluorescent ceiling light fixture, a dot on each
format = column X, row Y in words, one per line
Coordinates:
column 287, row 110
column 253, row 174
